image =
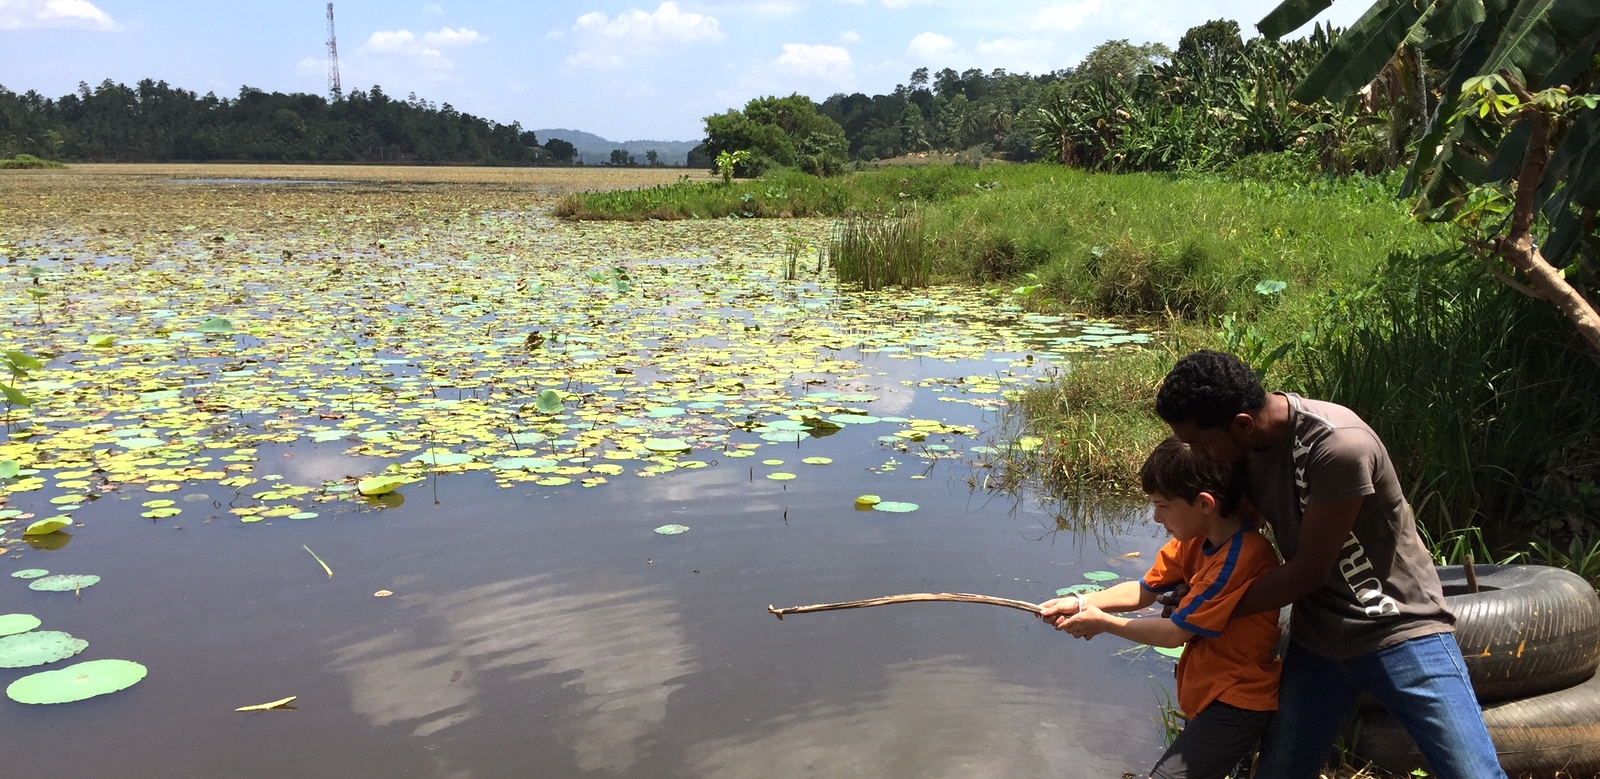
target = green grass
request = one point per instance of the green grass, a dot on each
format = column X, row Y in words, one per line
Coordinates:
column 28, row 162
column 877, row 252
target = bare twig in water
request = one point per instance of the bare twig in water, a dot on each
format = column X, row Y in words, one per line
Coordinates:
column 913, row 597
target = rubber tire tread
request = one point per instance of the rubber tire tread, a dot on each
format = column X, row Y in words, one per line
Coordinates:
column 1532, row 629
column 1534, row 737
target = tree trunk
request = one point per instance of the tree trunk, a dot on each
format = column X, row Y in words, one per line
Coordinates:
column 1518, row 247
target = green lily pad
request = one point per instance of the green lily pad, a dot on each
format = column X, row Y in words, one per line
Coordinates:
column 1078, row 589
column 10, row 469
column 76, row 682
column 215, row 324
column 868, row 500
column 662, row 412
column 161, row 513
column 895, row 507
column 64, row 582
column 672, row 530
column 38, row 647
column 303, row 515
column 1169, row 651
column 780, row 476
column 522, row 463
column 48, row 525
column 772, row 462
column 379, row 485
column 818, row 460
column 443, row 457
column 667, row 445
column 29, row 573
column 141, row 443
column 1101, row 576
column 853, row 419
column 548, row 402
column 17, row 623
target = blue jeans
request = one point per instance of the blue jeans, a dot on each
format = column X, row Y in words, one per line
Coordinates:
column 1423, row 682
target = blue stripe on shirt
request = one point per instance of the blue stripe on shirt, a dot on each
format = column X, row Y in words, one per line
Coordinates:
column 1181, row 616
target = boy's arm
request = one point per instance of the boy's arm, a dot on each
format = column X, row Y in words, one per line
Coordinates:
column 1154, row 631
column 1323, row 531
column 1127, row 596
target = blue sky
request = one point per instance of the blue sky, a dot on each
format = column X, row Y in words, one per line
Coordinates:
column 624, row 70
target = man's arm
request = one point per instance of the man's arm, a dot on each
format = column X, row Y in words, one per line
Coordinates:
column 1323, row 531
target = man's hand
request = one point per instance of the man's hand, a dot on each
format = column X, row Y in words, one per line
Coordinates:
column 1171, row 600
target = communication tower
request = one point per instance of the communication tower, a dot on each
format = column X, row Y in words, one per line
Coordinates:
column 335, row 91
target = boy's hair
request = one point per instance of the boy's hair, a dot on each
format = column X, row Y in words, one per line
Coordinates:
column 1209, row 388
column 1173, row 470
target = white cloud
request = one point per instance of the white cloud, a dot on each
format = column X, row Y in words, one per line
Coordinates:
column 33, row 14
column 930, row 46
column 422, row 52
column 830, row 63
column 310, row 66
column 432, row 8
column 850, row 36
column 609, row 41
column 1026, row 55
column 1068, row 16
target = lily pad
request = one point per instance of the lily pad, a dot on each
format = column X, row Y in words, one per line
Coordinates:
column 1169, row 651
column 38, row 647
column 215, row 325
column 1078, row 589
column 1101, row 576
column 48, row 525
column 379, row 485
column 29, row 573
column 868, row 500
column 672, row 530
column 9, row 469
column 443, row 457
column 667, row 445
column 895, row 507
column 64, row 582
column 818, row 460
column 521, row 463
column 76, row 682
column 17, row 623
column 548, row 402
column 780, row 476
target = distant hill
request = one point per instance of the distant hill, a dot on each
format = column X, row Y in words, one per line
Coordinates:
column 594, row 150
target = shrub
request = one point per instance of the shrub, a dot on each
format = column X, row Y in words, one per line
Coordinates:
column 28, row 161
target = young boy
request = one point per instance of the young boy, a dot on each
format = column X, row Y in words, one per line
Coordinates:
column 1227, row 676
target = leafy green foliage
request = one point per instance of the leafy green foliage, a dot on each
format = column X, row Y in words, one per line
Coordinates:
column 778, row 132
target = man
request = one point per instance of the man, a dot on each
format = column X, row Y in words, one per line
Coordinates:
column 1369, row 614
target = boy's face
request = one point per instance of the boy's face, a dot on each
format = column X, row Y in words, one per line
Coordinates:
column 1184, row 519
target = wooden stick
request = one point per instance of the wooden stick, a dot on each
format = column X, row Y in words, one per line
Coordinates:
column 913, row 597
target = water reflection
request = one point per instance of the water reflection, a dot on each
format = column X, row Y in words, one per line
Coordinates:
column 940, row 717
column 620, row 646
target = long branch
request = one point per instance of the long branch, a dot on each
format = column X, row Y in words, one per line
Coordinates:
column 913, row 597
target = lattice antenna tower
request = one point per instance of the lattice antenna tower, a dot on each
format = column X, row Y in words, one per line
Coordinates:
column 335, row 91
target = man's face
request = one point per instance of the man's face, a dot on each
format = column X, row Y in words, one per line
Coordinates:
column 1223, row 445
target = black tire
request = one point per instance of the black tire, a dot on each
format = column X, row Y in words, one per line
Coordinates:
column 1532, row 629
column 1535, row 737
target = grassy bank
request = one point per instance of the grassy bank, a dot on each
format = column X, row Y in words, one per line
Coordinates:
column 28, row 162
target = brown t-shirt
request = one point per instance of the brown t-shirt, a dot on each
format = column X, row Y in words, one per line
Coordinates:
column 1384, row 588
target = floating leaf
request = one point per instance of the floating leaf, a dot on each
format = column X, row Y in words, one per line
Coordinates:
column 548, row 402
column 868, row 500
column 1078, row 589
column 9, row 469
column 772, row 462
column 76, row 682
column 895, row 507
column 379, row 485
column 1170, row 651
column 523, row 464
column 215, row 325
column 780, row 476
column 303, row 515
column 49, row 525
column 818, row 460
column 382, row 593
column 278, row 704
column 101, row 341
column 672, row 530
column 17, row 623
column 38, row 647
column 161, row 513
column 64, row 582
column 1101, row 576
column 443, row 457
column 667, row 445
column 29, row 573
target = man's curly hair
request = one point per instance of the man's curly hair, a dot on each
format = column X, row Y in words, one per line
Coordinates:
column 1209, row 388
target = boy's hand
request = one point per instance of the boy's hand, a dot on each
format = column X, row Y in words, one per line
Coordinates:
column 1086, row 624
column 1057, row 610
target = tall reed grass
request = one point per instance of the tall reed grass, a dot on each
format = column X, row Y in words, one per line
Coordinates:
column 880, row 251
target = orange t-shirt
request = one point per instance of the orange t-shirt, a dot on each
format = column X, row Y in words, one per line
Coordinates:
column 1228, row 661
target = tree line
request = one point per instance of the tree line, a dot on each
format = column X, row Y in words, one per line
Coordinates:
column 152, row 121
